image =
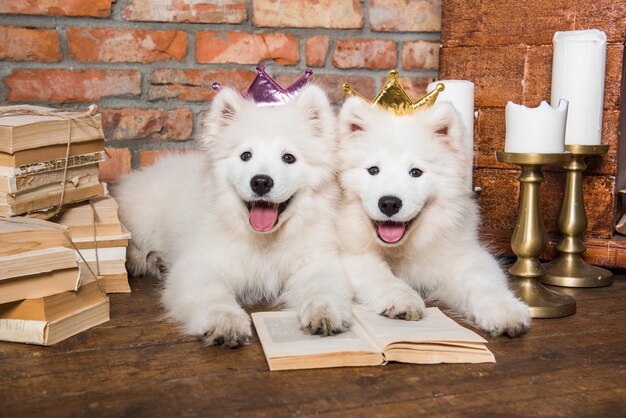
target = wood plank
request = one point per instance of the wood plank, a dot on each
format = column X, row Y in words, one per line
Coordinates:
column 140, row 365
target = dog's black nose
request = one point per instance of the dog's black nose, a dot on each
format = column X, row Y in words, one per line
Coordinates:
column 261, row 184
column 389, row 205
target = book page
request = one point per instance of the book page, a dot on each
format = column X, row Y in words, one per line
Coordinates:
column 281, row 336
column 435, row 326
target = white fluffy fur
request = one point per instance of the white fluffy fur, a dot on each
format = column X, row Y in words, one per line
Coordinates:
column 190, row 210
column 440, row 255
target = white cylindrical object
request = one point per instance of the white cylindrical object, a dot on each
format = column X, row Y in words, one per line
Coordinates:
column 538, row 130
column 578, row 70
column 461, row 94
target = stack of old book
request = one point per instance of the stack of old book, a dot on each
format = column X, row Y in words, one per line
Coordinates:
column 53, row 274
column 47, row 155
column 45, row 295
column 98, row 234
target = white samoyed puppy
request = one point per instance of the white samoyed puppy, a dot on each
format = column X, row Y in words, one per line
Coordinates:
column 249, row 219
column 409, row 223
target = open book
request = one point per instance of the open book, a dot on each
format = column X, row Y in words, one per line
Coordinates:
column 372, row 340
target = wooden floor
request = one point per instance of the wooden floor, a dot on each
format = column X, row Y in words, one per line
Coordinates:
column 139, row 365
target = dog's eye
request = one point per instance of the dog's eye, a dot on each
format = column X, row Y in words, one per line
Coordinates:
column 246, row 156
column 415, row 172
column 373, row 170
column 289, row 159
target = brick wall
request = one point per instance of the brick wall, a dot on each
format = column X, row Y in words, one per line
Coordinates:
column 149, row 64
column 506, row 49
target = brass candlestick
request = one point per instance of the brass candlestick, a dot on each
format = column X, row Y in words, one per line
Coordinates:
column 569, row 269
column 529, row 238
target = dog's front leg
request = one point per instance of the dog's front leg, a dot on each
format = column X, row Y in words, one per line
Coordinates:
column 379, row 290
column 477, row 289
column 198, row 297
column 322, row 296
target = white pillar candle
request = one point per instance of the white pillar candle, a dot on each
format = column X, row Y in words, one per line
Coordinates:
column 461, row 94
column 578, row 75
column 539, row 130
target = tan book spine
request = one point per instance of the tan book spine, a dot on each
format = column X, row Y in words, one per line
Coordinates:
column 51, row 200
column 52, row 165
column 20, row 184
column 48, row 153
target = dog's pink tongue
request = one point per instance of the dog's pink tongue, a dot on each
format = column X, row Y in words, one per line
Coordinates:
column 263, row 218
column 390, row 233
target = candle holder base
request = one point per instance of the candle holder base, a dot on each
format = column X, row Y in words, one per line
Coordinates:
column 528, row 239
column 543, row 302
column 569, row 269
column 572, row 271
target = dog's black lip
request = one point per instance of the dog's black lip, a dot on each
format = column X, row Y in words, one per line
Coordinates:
column 406, row 225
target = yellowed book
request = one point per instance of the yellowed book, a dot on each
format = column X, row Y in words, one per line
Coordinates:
column 35, row 235
column 113, row 283
column 39, row 285
column 18, row 205
column 52, row 165
column 33, row 131
column 49, row 153
column 79, row 219
column 52, row 307
column 36, row 262
column 33, row 182
column 373, row 340
column 89, row 309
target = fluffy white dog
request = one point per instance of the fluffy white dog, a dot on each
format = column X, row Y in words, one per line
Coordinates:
column 248, row 220
column 409, row 224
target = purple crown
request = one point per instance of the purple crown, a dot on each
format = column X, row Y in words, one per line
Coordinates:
column 264, row 90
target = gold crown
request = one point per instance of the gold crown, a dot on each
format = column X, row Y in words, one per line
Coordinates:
column 393, row 97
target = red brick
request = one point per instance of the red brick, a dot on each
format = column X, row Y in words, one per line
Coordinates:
column 613, row 80
column 339, row 14
column 93, row 8
column 194, row 11
column 365, row 53
column 606, row 15
column 154, row 124
column 414, row 86
column 331, row 84
column 504, row 22
column 126, row 45
column 537, row 75
column 22, row 44
column 316, row 50
column 149, row 157
column 420, row 55
column 68, row 86
column 246, row 48
column 500, row 195
column 195, row 85
column 607, row 163
column 490, row 132
column 405, row 15
column 117, row 163
column 497, row 73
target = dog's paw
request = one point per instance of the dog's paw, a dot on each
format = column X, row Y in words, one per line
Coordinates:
column 320, row 317
column 156, row 266
column 508, row 317
column 398, row 302
column 225, row 327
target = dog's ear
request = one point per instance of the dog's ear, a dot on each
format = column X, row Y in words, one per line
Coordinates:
column 446, row 124
column 315, row 105
column 226, row 104
column 353, row 116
